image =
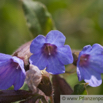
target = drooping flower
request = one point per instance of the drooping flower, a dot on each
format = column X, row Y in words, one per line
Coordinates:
column 90, row 65
column 11, row 72
column 50, row 52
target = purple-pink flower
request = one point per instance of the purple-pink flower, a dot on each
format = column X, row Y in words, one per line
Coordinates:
column 11, row 72
column 90, row 65
column 50, row 52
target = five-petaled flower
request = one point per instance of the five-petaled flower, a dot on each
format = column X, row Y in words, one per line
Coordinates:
column 50, row 52
column 11, row 72
column 90, row 65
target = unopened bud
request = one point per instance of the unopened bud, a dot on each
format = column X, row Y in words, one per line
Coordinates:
column 23, row 52
column 33, row 77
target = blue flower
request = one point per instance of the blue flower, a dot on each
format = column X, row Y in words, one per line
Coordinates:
column 50, row 52
column 90, row 65
column 11, row 72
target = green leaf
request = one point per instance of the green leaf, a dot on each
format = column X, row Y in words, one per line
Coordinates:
column 80, row 89
column 38, row 18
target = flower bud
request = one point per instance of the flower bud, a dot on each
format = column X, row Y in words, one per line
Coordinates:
column 33, row 78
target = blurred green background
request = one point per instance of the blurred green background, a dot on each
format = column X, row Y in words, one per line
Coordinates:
column 81, row 21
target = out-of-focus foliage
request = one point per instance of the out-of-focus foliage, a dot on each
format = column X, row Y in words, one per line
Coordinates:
column 13, row 29
column 38, row 18
column 81, row 21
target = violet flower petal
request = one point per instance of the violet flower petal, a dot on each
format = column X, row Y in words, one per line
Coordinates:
column 92, row 77
column 54, row 66
column 96, row 63
column 97, row 49
column 64, row 54
column 87, row 48
column 19, row 79
column 20, row 62
column 10, row 72
column 4, row 57
column 38, row 60
column 80, row 73
column 7, row 76
column 55, row 37
column 37, row 43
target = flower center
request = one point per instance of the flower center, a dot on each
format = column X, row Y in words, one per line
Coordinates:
column 49, row 49
column 84, row 60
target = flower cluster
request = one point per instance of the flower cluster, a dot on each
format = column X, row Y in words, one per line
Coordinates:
column 50, row 53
